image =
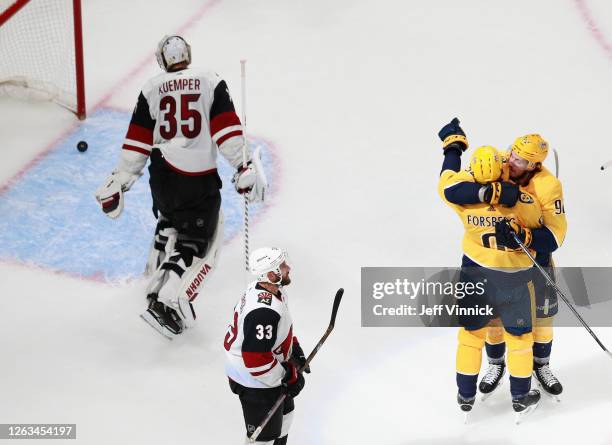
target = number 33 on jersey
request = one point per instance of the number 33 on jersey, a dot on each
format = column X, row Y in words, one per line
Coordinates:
column 259, row 338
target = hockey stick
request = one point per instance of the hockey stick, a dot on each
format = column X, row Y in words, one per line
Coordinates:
column 556, row 162
column 559, row 292
column 244, row 162
column 283, row 396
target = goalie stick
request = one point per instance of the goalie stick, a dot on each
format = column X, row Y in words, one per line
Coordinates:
column 244, row 164
column 559, row 292
column 282, row 397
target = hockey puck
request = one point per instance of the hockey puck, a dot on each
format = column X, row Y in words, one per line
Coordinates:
column 82, row 146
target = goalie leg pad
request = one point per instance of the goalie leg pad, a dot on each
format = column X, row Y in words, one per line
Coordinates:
column 181, row 275
column 163, row 244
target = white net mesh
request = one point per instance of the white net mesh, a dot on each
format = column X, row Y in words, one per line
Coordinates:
column 37, row 52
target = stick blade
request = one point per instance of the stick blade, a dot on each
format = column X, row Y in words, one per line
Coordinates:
column 336, row 305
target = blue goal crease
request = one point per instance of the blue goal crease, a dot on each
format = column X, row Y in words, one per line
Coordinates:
column 51, row 218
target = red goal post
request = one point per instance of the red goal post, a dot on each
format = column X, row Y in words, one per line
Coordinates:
column 41, row 51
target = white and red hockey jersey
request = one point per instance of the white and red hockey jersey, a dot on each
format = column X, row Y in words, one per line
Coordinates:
column 186, row 114
column 259, row 339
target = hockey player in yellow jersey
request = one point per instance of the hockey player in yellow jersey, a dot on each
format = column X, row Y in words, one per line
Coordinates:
column 485, row 202
column 523, row 165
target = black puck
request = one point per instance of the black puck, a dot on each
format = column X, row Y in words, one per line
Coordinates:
column 82, row 146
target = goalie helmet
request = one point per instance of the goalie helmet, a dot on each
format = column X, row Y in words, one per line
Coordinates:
column 266, row 259
column 486, row 164
column 172, row 50
column 532, row 147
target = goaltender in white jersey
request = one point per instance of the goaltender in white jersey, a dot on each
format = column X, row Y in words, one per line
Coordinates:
column 262, row 354
column 181, row 119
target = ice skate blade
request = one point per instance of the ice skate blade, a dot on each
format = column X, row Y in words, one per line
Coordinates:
column 152, row 321
column 485, row 396
column 466, row 417
column 520, row 416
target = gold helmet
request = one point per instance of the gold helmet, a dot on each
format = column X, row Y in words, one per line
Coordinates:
column 532, row 148
column 486, row 164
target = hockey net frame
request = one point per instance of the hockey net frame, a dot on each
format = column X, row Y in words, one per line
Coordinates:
column 45, row 90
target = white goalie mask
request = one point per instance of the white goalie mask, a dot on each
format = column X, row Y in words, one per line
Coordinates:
column 172, row 50
column 267, row 259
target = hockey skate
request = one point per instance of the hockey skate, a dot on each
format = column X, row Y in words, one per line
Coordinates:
column 466, row 405
column 492, row 379
column 162, row 318
column 525, row 405
column 547, row 381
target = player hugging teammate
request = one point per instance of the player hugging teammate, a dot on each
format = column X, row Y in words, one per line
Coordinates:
column 499, row 195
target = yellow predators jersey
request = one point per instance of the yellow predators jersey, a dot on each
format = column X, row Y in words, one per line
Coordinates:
column 546, row 189
column 479, row 242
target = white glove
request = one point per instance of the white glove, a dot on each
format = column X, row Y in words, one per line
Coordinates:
column 252, row 179
column 110, row 194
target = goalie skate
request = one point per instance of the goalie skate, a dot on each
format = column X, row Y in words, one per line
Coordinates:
column 163, row 319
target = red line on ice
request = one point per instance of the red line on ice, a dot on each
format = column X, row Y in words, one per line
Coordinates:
column 596, row 32
column 139, row 68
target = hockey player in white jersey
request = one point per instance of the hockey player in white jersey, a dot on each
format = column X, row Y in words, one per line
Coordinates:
column 182, row 118
column 262, row 354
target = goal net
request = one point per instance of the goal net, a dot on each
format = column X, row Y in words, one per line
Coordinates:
column 41, row 51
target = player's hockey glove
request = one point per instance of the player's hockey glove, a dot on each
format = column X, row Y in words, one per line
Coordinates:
column 504, row 230
column 453, row 137
column 293, row 382
column 504, row 193
column 110, row 194
column 298, row 357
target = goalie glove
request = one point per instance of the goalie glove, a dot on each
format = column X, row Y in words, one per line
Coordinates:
column 252, row 179
column 110, row 194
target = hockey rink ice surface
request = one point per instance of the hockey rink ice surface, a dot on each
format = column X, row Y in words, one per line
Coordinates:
column 345, row 98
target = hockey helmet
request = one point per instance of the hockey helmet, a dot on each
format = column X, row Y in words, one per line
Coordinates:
column 532, row 147
column 172, row 50
column 266, row 259
column 486, row 164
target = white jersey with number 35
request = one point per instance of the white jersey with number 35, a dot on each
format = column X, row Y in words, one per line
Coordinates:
column 259, row 338
column 186, row 114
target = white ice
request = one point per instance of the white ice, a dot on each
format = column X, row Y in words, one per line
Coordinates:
column 352, row 93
